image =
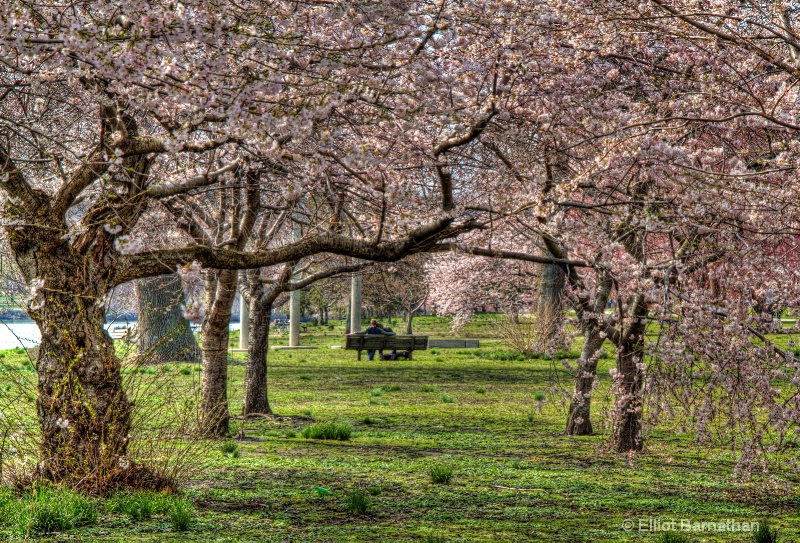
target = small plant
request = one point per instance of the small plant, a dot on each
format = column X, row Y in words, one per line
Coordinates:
column 52, row 510
column 186, row 371
column 328, row 430
column 291, row 434
column 304, row 377
column 307, row 412
column 672, row 537
column 368, row 420
column 434, row 351
column 480, row 390
column 357, row 502
column 765, row 534
column 230, row 449
column 430, row 538
column 441, row 473
column 374, row 490
column 377, row 392
column 447, row 399
column 428, row 388
column 391, row 388
column 181, row 514
column 516, row 464
column 439, row 359
column 139, row 505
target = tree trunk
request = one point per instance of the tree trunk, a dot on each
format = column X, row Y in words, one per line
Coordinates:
column 164, row 334
column 408, row 324
column 220, row 293
column 256, row 398
column 348, row 319
column 549, row 310
column 578, row 421
column 84, row 413
column 626, row 433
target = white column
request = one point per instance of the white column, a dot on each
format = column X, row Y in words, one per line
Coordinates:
column 294, row 319
column 244, row 324
column 355, row 304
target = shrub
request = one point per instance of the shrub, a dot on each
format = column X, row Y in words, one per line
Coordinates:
column 181, row 514
column 357, row 502
column 441, row 473
column 230, row 449
column 328, row 430
column 765, row 534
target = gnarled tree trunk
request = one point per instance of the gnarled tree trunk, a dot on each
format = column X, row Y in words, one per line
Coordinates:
column 84, row 413
column 164, row 334
column 549, row 309
column 626, row 433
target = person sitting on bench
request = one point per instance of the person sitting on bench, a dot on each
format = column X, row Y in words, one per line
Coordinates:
column 376, row 329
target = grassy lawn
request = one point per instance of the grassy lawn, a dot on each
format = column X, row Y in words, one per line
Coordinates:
column 514, row 476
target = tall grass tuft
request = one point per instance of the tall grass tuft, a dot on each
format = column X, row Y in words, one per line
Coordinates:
column 357, row 502
column 765, row 533
column 328, row 430
column 139, row 505
column 672, row 537
column 441, row 473
column 47, row 510
column 181, row 514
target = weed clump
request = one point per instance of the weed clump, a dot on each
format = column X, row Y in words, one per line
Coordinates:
column 340, row 431
column 357, row 502
column 441, row 473
column 181, row 514
column 765, row 534
column 46, row 510
column 230, row 449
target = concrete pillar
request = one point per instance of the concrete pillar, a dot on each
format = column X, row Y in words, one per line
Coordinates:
column 244, row 324
column 294, row 318
column 355, row 304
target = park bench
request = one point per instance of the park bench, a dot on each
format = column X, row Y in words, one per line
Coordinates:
column 404, row 345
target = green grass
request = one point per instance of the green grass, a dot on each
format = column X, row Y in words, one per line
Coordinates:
column 513, row 479
column 340, row 431
column 441, row 473
column 45, row 510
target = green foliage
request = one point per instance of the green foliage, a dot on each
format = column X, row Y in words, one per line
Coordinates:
column 447, row 399
column 46, row 510
column 480, row 390
column 328, row 430
column 428, row 388
column 230, row 448
column 139, row 505
column 672, row 537
column 181, row 514
column 441, row 473
column 765, row 533
column 539, row 396
column 357, row 502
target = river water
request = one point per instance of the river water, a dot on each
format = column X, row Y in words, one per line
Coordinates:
column 20, row 333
